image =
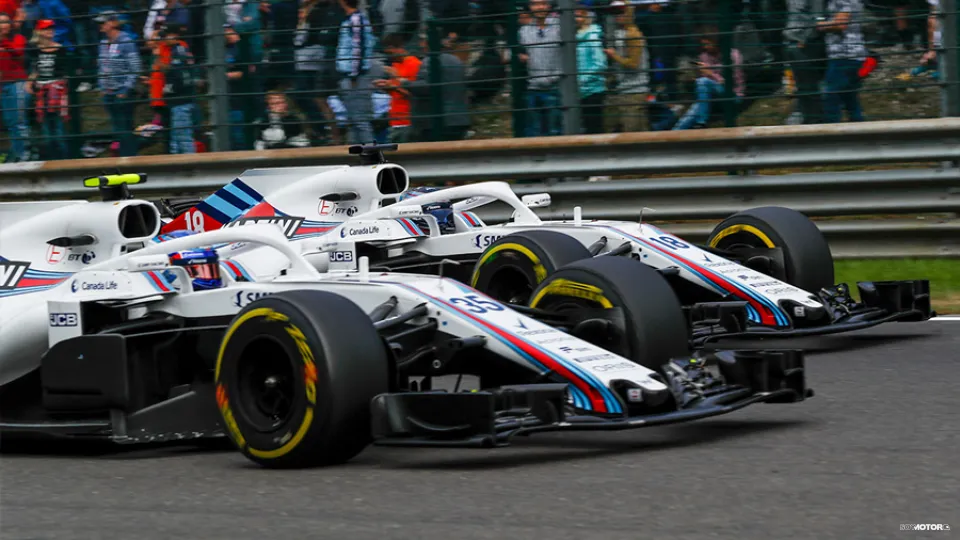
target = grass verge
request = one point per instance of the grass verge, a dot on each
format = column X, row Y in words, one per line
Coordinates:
column 944, row 276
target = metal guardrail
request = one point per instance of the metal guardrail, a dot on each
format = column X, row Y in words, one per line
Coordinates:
column 903, row 193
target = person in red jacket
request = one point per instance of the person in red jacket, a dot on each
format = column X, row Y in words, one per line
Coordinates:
column 13, row 94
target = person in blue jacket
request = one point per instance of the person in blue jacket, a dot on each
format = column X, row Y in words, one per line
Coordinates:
column 118, row 69
column 591, row 71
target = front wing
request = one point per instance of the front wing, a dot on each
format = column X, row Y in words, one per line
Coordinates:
column 880, row 302
column 492, row 418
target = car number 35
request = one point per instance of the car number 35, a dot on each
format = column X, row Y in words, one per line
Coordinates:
column 476, row 304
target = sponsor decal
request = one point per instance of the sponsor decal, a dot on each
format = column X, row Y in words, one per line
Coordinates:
column 520, row 324
column 359, row 231
column 63, row 319
column 484, row 240
column 55, row 254
column 725, row 264
column 779, row 290
column 150, row 265
column 11, row 272
column 289, row 225
column 411, row 211
column 559, row 339
column 244, row 298
column 79, row 285
column 341, row 256
column 328, row 208
column 765, row 284
column 799, row 311
column 619, row 366
column 593, row 358
column 536, row 332
column 85, row 258
column 634, row 395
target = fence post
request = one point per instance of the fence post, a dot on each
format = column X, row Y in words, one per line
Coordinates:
column 518, row 87
column 569, row 90
column 950, row 70
column 726, row 48
column 434, row 42
column 217, row 76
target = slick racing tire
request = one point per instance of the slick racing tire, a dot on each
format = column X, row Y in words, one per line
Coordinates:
column 512, row 267
column 808, row 263
column 295, row 376
column 653, row 319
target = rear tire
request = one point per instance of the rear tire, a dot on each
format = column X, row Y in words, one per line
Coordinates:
column 512, row 267
column 295, row 376
column 656, row 327
column 808, row 262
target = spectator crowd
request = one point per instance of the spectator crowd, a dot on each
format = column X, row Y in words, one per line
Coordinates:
column 85, row 78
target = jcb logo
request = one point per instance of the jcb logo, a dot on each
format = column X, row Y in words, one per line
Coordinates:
column 341, row 256
column 63, row 319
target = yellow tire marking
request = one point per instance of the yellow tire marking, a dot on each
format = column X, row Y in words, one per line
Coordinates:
column 566, row 287
column 734, row 229
column 538, row 268
column 310, row 378
column 310, row 381
column 259, row 312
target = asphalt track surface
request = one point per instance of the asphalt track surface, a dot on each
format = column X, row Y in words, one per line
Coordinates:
column 878, row 446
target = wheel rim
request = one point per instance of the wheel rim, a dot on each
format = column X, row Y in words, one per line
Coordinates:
column 510, row 285
column 267, row 388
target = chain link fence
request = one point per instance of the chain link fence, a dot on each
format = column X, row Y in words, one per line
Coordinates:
column 98, row 78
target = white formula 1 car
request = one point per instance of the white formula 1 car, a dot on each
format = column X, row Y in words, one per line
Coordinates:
column 763, row 271
column 105, row 333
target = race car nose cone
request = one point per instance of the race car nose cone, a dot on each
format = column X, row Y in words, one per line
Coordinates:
column 652, row 395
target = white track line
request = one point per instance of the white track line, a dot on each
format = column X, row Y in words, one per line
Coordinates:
column 947, row 318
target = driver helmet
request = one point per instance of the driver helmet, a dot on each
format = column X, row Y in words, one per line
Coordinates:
column 202, row 265
column 409, row 194
column 444, row 214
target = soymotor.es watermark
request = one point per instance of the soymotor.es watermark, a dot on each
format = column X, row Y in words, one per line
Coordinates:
column 924, row 527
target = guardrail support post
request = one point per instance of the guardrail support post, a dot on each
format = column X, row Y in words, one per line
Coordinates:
column 950, row 70
column 217, row 76
column 569, row 90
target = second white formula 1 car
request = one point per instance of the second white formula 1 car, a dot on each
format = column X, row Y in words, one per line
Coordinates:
column 107, row 334
column 763, row 271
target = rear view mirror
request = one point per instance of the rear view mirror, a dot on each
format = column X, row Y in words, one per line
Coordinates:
column 536, row 200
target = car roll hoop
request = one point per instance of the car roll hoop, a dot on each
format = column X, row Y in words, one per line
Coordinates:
column 372, row 154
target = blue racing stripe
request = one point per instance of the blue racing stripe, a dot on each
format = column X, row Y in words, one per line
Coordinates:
column 612, row 402
column 240, row 194
column 778, row 314
column 605, row 391
column 238, row 203
column 221, row 204
column 249, row 191
column 205, row 207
